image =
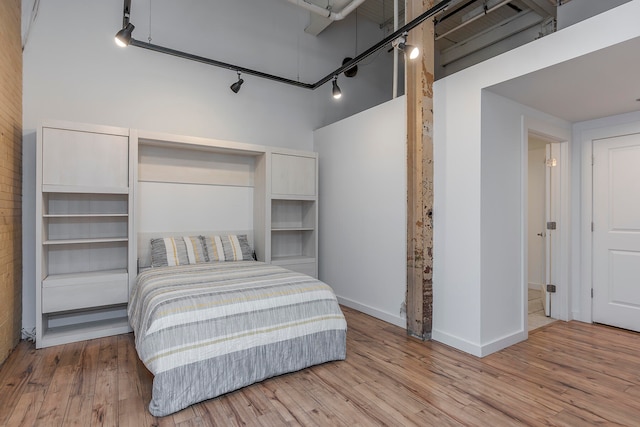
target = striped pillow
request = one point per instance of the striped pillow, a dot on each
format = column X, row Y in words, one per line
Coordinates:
column 170, row 251
column 227, row 248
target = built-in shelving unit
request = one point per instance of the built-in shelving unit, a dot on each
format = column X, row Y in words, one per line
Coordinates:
column 83, row 211
column 87, row 233
column 294, row 212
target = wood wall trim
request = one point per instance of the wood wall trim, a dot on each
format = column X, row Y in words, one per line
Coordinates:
column 419, row 90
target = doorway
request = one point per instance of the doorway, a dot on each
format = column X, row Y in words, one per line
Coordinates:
column 550, row 201
column 542, row 172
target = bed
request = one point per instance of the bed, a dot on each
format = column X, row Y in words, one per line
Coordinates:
column 208, row 328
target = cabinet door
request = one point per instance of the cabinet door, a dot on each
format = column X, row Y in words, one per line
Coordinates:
column 74, row 158
column 293, row 175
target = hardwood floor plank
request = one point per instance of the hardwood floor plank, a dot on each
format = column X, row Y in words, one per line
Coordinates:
column 210, row 411
column 105, row 400
column 184, row 416
column 46, row 361
column 85, row 383
column 16, row 373
column 287, row 405
column 54, row 407
column 26, row 410
column 567, row 374
column 132, row 408
column 79, row 410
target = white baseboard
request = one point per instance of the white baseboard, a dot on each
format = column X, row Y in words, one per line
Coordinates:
column 503, row 342
column 456, row 342
column 476, row 349
column 374, row 312
column 536, row 286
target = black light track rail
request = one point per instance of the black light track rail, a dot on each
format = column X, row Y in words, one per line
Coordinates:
column 355, row 61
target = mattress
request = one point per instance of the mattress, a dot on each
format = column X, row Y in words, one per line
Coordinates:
column 207, row 329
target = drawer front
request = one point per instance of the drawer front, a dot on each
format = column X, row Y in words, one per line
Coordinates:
column 73, row 297
column 305, row 268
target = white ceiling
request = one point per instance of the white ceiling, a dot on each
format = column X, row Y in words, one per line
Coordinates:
column 600, row 84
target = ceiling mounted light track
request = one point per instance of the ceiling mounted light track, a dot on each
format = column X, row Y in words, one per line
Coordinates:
column 345, row 66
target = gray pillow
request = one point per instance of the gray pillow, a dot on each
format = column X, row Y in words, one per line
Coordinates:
column 170, row 251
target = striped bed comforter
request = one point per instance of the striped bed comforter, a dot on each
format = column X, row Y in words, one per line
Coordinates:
column 207, row 329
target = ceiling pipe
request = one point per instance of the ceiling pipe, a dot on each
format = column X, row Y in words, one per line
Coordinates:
column 345, row 66
column 394, row 89
column 327, row 13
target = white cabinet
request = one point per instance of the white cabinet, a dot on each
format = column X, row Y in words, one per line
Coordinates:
column 293, row 175
column 294, row 212
column 83, row 211
column 85, row 159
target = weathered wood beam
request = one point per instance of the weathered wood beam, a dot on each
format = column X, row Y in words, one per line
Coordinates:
column 419, row 90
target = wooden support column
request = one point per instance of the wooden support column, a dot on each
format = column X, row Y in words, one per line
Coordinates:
column 419, row 90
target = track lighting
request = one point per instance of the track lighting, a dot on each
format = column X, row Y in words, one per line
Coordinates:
column 123, row 37
column 337, row 93
column 401, row 44
column 397, row 39
column 236, row 86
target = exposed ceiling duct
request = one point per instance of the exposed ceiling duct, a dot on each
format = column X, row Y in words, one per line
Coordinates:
column 328, row 13
column 322, row 16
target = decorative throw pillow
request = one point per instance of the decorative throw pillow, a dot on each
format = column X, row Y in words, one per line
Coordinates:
column 170, row 251
column 230, row 247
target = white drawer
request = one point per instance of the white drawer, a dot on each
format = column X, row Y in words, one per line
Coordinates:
column 85, row 295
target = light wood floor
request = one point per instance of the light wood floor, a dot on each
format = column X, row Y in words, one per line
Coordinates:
column 570, row 374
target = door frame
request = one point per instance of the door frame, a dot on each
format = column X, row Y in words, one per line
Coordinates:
column 560, row 257
column 587, row 139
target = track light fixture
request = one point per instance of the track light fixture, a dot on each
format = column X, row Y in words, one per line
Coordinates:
column 401, row 44
column 397, row 39
column 123, row 37
column 236, row 86
column 337, row 93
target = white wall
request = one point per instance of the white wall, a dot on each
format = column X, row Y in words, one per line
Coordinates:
column 73, row 71
column 503, row 189
column 579, row 10
column 362, row 204
column 476, row 230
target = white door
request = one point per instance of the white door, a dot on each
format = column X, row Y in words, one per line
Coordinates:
column 552, row 213
column 616, row 235
column 546, row 297
column 536, row 216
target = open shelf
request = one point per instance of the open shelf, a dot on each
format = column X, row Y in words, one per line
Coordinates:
column 104, row 215
column 88, row 330
column 84, row 241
